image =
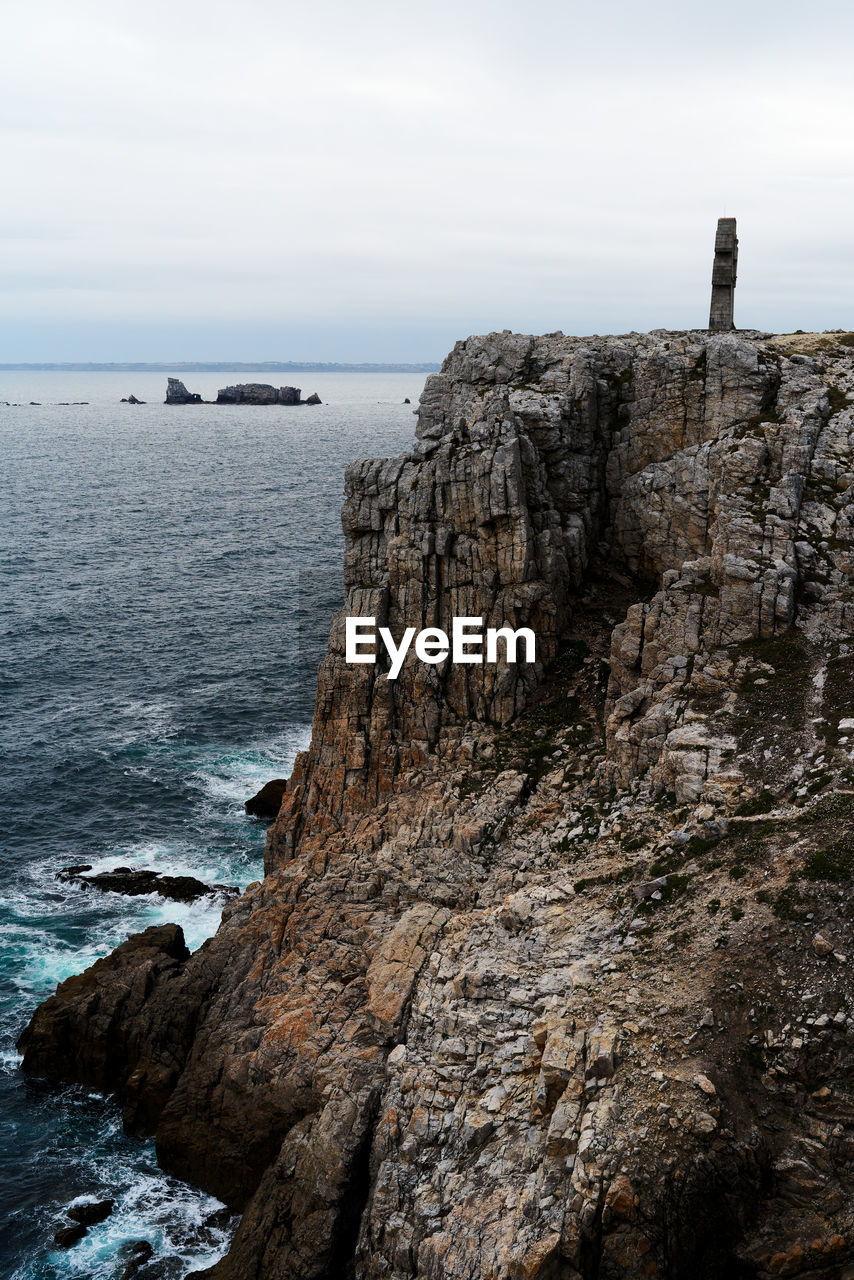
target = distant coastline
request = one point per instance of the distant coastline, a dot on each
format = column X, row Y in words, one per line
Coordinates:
column 220, row 366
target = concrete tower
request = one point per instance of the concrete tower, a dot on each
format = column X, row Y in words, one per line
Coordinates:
column 723, row 275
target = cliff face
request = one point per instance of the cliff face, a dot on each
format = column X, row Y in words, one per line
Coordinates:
column 548, row 973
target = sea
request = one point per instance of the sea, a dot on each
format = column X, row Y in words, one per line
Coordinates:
column 167, row 578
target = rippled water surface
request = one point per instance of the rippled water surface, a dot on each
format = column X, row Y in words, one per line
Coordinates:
column 167, row 575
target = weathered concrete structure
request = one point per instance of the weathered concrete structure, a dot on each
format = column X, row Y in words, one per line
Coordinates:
column 723, row 276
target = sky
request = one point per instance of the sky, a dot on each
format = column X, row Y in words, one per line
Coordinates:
column 372, row 181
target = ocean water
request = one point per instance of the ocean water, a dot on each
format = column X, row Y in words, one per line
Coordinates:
column 167, row 576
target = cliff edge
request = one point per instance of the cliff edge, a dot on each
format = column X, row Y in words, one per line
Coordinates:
column 548, row 976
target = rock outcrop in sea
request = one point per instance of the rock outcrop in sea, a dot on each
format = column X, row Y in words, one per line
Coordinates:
column 549, row 974
column 259, row 393
column 136, row 881
column 177, row 393
column 241, row 393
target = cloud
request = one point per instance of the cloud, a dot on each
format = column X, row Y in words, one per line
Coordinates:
column 437, row 170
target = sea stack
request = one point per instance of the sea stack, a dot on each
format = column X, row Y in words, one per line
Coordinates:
column 723, row 277
column 177, row 393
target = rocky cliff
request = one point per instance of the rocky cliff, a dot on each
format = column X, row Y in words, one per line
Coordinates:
column 549, row 973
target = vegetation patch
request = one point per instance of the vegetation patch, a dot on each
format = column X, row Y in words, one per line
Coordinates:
column 791, row 904
column 676, row 886
column 838, row 695
column 838, row 399
column 835, row 805
column 834, row 863
column 781, row 699
column 764, row 802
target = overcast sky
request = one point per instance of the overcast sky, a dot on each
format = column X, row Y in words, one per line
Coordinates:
column 370, row 181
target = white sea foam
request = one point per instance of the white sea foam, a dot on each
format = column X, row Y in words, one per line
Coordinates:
column 170, row 1216
column 235, row 775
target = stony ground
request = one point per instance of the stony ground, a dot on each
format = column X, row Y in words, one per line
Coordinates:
column 549, row 976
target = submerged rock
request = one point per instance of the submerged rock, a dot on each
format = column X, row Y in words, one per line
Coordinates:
column 66, row 1237
column 90, row 1212
column 137, row 1253
column 267, row 802
column 134, row 882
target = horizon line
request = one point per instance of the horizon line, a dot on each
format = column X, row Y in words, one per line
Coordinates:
column 220, row 366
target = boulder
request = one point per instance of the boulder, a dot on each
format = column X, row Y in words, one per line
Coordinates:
column 314, row 398
column 133, row 399
column 267, row 802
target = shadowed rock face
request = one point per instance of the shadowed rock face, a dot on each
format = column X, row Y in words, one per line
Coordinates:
column 444, row 1037
column 266, row 802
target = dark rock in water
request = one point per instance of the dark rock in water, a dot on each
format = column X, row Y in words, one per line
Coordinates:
column 172, row 1268
column 164, row 1269
column 219, row 1219
column 116, row 993
column 92, row 1212
column 177, row 393
column 65, row 1237
column 407, row 400
column 267, row 802
column 137, row 1253
column 314, row 398
column 258, row 393
column 133, row 399
column 134, row 882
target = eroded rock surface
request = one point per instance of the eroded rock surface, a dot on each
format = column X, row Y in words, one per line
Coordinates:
column 531, row 987
column 262, row 393
column 177, row 393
